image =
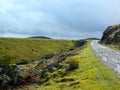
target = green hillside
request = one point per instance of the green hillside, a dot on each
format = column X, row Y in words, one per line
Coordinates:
column 15, row 50
column 91, row 74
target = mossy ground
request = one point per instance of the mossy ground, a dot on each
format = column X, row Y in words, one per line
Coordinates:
column 13, row 50
column 91, row 75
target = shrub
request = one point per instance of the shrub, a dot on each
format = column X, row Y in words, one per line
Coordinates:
column 79, row 43
column 73, row 64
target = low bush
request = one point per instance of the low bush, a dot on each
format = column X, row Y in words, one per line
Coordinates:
column 73, row 64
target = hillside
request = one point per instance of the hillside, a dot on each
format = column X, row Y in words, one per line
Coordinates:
column 14, row 50
column 41, row 37
column 46, row 53
column 111, row 35
column 91, row 74
column 73, row 66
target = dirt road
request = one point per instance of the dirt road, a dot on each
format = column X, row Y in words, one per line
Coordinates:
column 108, row 56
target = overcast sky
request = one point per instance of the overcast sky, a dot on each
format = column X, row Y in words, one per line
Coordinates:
column 63, row 19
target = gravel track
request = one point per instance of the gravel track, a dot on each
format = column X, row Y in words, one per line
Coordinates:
column 108, row 56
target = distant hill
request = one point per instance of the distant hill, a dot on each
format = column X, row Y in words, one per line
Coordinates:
column 92, row 39
column 42, row 37
column 111, row 35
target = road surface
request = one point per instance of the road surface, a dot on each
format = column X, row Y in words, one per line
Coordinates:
column 108, row 56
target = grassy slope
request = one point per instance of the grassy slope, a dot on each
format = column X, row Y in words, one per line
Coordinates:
column 113, row 46
column 91, row 75
column 17, row 50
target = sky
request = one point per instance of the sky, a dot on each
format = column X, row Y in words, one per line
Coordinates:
column 60, row 19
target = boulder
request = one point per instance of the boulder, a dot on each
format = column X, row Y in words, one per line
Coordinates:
column 111, row 35
column 5, row 79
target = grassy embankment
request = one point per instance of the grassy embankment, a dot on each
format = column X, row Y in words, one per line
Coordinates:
column 14, row 50
column 113, row 46
column 90, row 75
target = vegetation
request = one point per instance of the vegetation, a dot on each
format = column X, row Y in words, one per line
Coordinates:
column 90, row 75
column 14, row 50
column 113, row 46
column 73, row 64
column 85, row 72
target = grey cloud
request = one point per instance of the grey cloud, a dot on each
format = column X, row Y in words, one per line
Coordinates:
column 67, row 19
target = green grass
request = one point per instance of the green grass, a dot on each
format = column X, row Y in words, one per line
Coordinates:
column 113, row 46
column 90, row 75
column 13, row 50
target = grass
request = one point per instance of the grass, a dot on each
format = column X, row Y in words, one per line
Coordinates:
column 91, row 74
column 73, row 64
column 114, row 46
column 13, row 50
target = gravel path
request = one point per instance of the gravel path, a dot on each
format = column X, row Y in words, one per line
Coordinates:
column 109, row 56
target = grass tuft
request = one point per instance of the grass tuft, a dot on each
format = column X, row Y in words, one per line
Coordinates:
column 73, row 64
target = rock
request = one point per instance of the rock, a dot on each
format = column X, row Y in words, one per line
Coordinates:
column 5, row 70
column 111, row 35
column 34, row 84
column 49, row 67
column 5, row 79
column 56, row 64
column 66, row 65
column 1, row 69
column 17, row 70
column 34, row 70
